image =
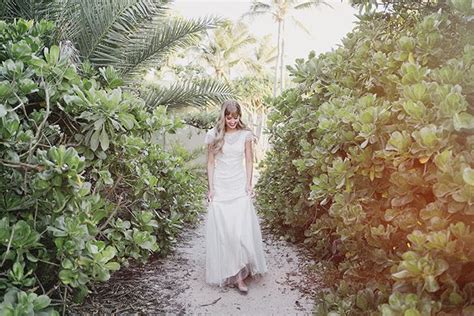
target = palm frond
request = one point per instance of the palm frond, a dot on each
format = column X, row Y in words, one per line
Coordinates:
column 254, row 14
column 300, row 25
column 198, row 94
column 160, row 38
column 266, row 52
column 27, row 9
column 239, row 44
column 259, row 6
column 64, row 13
column 311, row 4
column 106, row 27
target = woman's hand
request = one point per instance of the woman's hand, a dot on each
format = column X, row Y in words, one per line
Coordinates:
column 210, row 195
column 250, row 191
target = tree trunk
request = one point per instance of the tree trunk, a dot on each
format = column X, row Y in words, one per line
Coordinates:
column 277, row 62
column 282, row 64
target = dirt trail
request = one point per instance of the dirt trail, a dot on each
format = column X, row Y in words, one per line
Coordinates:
column 175, row 285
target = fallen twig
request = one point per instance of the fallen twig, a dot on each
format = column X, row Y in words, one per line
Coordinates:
column 213, row 302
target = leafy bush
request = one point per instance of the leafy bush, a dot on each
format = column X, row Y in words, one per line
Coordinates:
column 372, row 165
column 17, row 302
column 202, row 120
column 83, row 186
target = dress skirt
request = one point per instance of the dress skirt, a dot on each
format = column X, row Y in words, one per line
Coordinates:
column 233, row 241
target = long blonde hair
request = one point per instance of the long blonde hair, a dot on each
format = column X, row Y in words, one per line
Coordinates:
column 228, row 107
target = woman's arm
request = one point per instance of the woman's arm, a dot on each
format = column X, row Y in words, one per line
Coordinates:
column 210, row 172
column 249, row 165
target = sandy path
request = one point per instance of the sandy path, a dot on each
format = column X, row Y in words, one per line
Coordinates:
column 175, row 284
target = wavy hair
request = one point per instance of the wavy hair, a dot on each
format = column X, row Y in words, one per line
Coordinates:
column 227, row 108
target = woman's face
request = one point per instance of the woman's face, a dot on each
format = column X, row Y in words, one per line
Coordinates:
column 231, row 121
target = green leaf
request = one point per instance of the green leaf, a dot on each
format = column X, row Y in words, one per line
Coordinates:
column 41, row 302
column 113, row 266
column 52, row 55
column 3, row 110
column 31, row 257
column 407, row 43
column 414, row 109
column 402, row 200
column 94, row 141
column 402, row 274
column 468, row 176
column 67, row 276
column 411, row 312
column 443, row 160
column 104, row 139
column 18, row 270
column 431, row 285
column 27, row 86
column 127, row 119
column 5, row 89
column 108, row 253
column 463, row 120
column 399, row 142
column 455, row 298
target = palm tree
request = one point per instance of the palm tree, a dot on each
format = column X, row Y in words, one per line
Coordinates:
column 227, row 47
column 281, row 10
column 263, row 56
column 130, row 35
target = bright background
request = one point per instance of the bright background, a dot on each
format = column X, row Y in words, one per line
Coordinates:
column 326, row 25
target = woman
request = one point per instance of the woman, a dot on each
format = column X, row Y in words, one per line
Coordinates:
column 233, row 238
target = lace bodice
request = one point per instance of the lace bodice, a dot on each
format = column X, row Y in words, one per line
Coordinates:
column 229, row 164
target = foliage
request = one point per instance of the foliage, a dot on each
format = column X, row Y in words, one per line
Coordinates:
column 129, row 35
column 197, row 93
column 372, row 165
column 412, row 5
column 202, row 120
column 226, row 47
column 83, row 185
column 21, row 303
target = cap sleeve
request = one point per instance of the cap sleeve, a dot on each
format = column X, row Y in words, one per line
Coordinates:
column 250, row 136
column 210, row 136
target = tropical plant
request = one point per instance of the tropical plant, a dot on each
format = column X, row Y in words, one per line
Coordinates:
column 227, row 47
column 280, row 11
column 84, row 187
column 197, row 93
column 371, row 165
column 255, row 92
column 406, row 5
column 17, row 302
column 202, row 120
column 265, row 53
column 130, row 35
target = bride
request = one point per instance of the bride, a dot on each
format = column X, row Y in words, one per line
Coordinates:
column 233, row 238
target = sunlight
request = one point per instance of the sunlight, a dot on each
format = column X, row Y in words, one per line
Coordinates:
column 327, row 26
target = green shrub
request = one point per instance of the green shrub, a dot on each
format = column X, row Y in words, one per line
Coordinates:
column 17, row 302
column 202, row 120
column 372, row 165
column 83, row 187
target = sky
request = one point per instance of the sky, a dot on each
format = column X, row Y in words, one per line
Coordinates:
column 327, row 25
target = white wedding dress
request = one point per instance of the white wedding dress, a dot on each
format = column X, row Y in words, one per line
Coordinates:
column 233, row 237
